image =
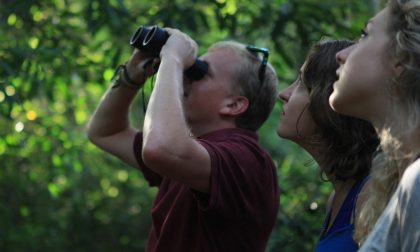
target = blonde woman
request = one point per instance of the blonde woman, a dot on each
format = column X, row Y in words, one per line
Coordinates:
column 379, row 81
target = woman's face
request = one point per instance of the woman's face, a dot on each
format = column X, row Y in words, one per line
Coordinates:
column 365, row 73
column 296, row 123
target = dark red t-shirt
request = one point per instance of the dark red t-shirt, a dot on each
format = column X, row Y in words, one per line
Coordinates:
column 239, row 212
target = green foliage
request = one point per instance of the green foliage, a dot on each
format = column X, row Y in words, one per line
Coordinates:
column 60, row 193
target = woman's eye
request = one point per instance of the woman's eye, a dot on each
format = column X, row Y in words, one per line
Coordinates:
column 363, row 34
column 301, row 86
column 299, row 81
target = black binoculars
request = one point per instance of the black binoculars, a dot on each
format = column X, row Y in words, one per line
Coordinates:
column 151, row 40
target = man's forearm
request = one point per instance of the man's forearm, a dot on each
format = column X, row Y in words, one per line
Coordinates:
column 111, row 116
column 165, row 117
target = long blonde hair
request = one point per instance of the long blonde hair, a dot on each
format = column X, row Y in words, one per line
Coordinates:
column 396, row 155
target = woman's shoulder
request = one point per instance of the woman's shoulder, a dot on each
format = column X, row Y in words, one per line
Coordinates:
column 411, row 177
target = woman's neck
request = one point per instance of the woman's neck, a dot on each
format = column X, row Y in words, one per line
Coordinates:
column 342, row 186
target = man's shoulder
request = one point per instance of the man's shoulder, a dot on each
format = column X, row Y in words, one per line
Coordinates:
column 229, row 133
column 235, row 143
column 232, row 137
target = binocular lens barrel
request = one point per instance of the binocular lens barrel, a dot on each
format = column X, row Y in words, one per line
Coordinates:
column 153, row 39
column 198, row 70
column 138, row 37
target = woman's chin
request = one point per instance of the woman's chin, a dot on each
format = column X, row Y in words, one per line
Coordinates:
column 334, row 101
column 282, row 133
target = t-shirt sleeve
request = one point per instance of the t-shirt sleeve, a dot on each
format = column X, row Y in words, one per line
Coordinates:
column 398, row 228
column 152, row 177
column 408, row 211
column 242, row 179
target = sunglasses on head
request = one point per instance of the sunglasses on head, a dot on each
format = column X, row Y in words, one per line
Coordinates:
column 265, row 53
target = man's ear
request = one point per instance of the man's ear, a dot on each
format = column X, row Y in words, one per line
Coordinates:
column 234, row 105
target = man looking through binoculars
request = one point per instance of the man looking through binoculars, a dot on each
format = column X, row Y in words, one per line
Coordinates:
column 217, row 186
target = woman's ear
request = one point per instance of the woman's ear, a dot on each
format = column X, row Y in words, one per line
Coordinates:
column 398, row 68
column 234, row 105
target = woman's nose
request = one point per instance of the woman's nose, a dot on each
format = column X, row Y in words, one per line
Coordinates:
column 342, row 55
column 284, row 95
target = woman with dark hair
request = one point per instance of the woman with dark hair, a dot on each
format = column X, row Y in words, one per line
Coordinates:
column 341, row 145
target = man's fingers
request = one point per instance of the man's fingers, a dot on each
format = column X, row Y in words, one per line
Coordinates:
column 151, row 66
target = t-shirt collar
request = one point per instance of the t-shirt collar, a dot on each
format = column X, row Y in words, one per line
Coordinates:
column 224, row 133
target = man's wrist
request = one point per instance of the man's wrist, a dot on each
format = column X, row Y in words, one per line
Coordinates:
column 122, row 78
column 126, row 77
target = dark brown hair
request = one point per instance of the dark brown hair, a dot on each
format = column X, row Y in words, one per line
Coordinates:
column 349, row 142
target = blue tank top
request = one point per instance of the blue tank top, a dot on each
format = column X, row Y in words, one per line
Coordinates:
column 340, row 235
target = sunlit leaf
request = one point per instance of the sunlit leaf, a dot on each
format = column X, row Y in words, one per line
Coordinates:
column 53, row 189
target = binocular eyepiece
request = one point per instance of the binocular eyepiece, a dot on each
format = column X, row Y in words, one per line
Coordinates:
column 152, row 40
